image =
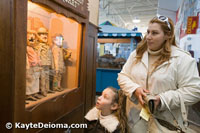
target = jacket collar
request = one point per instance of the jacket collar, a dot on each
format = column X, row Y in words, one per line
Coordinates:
column 110, row 122
column 145, row 58
column 174, row 53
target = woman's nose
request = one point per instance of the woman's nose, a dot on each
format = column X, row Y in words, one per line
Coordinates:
column 149, row 36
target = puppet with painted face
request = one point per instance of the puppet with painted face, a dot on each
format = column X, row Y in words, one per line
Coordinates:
column 46, row 60
column 32, row 67
column 58, row 57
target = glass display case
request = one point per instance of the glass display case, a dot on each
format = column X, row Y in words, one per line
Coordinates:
column 53, row 54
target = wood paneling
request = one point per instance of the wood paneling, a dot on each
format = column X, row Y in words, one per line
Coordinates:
column 6, row 61
column 90, row 88
column 12, row 59
column 77, row 7
column 62, row 10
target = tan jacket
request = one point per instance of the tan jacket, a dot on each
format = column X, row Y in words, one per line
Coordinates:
column 58, row 59
column 45, row 54
column 33, row 57
column 178, row 77
column 101, row 124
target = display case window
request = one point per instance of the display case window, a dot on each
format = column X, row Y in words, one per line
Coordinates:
column 113, row 55
column 53, row 54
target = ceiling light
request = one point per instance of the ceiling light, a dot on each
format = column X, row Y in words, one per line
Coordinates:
column 136, row 20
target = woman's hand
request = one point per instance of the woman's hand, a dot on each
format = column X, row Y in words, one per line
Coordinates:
column 140, row 93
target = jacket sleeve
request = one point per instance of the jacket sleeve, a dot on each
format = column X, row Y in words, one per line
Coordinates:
column 118, row 130
column 188, row 85
column 91, row 126
column 124, row 77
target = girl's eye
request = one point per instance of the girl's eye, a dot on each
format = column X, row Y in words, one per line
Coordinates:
column 154, row 33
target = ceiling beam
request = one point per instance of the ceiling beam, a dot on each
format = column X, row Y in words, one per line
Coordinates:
column 149, row 11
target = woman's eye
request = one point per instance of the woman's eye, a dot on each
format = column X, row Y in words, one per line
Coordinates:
column 154, row 33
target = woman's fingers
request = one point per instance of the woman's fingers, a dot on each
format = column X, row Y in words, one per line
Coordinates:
column 141, row 100
column 140, row 93
column 146, row 91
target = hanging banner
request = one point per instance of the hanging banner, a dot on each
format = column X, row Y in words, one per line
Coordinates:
column 192, row 24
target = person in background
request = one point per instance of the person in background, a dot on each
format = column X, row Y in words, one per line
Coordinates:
column 160, row 69
column 109, row 115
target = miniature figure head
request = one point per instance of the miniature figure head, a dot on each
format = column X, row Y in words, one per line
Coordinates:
column 31, row 37
column 58, row 40
column 42, row 35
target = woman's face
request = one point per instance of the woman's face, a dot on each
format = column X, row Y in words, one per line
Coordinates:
column 104, row 102
column 155, row 36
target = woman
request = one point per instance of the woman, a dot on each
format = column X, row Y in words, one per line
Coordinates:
column 160, row 69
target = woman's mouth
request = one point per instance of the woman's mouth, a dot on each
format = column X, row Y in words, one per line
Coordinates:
column 149, row 43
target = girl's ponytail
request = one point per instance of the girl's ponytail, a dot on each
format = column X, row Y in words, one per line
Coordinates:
column 121, row 112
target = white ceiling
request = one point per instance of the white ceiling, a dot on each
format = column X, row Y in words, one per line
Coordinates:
column 122, row 12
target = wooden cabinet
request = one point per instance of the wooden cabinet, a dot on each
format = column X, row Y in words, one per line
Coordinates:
column 90, row 86
column 67, row 106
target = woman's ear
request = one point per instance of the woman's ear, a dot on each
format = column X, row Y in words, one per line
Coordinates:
column 114, row 106
column 167, row 36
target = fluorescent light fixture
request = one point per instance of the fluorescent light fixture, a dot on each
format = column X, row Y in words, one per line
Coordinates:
column 136, row 20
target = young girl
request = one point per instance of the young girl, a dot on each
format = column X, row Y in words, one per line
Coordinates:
column 109, row 115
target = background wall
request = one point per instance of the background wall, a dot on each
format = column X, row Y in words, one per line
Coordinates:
column 93, row 7
column 169, row 8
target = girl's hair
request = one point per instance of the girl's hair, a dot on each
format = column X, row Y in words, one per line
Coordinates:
column 166, row 47
column 120, row 99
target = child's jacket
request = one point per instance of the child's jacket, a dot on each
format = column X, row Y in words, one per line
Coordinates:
column 96, row 123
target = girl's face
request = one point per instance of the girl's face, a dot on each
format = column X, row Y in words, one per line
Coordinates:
column 155, row 36
column 105, row 101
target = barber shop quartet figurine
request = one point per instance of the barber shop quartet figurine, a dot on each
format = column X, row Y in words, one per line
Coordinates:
column 59, row 55
column 32, row 67
column 46, row 60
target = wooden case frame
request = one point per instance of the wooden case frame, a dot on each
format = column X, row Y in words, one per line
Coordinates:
column 13, row 32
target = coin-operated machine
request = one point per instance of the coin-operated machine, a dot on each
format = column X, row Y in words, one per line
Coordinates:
column 59, row 56
column 46, row 60
column 32, row 68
